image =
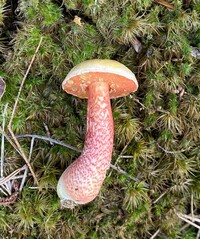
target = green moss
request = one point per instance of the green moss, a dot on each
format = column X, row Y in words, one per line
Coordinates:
column 157, row 127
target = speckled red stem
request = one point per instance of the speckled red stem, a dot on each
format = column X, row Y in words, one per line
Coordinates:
column 82, row 180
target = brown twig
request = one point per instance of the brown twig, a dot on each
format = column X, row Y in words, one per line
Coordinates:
column 13, row 113
column 155, row 234
column 9, row 140
column 165, row 3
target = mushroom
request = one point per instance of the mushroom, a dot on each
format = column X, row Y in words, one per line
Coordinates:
column 97, row 80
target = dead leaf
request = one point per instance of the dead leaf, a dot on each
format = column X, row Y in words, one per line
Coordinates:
column 165, row 3
column 77, row 21
column 2, row 87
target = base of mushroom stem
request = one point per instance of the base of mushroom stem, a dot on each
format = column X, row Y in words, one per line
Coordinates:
column 67, row 204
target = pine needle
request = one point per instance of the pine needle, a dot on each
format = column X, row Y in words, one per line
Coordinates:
column 165, row 3
column 14, row 109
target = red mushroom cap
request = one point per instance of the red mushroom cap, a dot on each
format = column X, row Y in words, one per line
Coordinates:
column 121, row 80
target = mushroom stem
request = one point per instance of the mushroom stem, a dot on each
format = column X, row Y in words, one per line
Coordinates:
column 81, row 181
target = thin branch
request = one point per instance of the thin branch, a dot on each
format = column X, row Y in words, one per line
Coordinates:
column 166, row 191
column 186, row 225
column 18, row 177
column 188, row 221
column 2, row 138
column 26, row 169
column 5, row 193
column 6, row 188
column 192, row 206
column 48, row 139
column 143, row 106
column 198, row 234
column 165, row 3
column 171, row 152
column 155, row 234
column 192, row 217
column 126, row 157
column 23, row 80
column 118, row 169
column 9, row 140
column 120, row 155
column 10, row 176
column 33, row 188
column 23, row 154
column 14, row 109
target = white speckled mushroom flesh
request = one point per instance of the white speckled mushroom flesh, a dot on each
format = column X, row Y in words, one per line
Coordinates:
column 82, row 180
column 97, row 80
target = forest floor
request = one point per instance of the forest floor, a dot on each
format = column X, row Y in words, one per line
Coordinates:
column 153, row 188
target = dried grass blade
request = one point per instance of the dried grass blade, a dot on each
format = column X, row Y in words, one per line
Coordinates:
column 165, row 3
column 14, row 109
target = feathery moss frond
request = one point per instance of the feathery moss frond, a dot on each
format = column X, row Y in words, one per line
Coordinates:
column 135, row 196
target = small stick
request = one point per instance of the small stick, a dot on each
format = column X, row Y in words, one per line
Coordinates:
column 188, row 221
column 155, row 234
column 9, row 140
column 118, row 169
column 2, row 138
column 126, row 157
column 47, row 131
column 198, row 234
column 9, row 177
column 143, row 106
column 23, row 80
column 48, row 139
column 192, row 206
column 184, row 227
column 120, row 155
column 9, row 186
column 6, row 188
column 77, row 150
column 18, row 177
column 171, row 152
column 5, row 193
column 14, row 109
column 26, row 169
column 166, row 191
column 192, row 218
column 165, row 3
column 33, row 187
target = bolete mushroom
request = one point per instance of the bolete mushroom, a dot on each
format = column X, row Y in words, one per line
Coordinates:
column 97, row 80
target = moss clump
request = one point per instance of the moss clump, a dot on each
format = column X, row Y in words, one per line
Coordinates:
column 157, row 127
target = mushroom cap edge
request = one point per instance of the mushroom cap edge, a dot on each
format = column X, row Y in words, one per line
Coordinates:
column 121, row 79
